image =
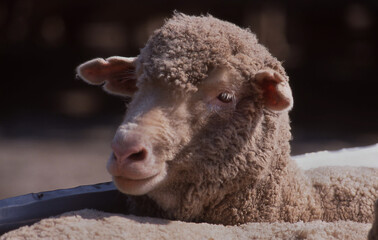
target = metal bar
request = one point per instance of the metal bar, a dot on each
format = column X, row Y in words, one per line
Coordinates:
column 30, row 208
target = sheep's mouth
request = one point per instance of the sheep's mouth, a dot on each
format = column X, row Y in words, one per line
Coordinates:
column 138, row 186
column 122, row 178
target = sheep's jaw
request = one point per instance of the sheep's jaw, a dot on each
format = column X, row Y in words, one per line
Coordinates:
column 139, row 186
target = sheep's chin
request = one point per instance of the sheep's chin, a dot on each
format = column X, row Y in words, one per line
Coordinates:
column 140, row 186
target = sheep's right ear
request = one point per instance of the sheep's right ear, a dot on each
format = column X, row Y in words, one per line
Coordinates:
column 117, row 74
column 276, row 91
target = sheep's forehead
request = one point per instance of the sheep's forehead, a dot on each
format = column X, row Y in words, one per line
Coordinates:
column 186, row 49
column 218, row 80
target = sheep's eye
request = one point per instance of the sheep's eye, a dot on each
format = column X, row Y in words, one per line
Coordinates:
column 225, row 97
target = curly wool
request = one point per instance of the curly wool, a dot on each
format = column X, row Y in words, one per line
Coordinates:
column 245, row 172
column 183, row 51
column 242, row 172
column 235, row 166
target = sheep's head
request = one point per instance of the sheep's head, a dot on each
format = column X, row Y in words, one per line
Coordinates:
column 193, row 107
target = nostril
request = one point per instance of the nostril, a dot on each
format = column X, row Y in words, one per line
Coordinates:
column 129, row 149
column 114, row 156
column 138, row 156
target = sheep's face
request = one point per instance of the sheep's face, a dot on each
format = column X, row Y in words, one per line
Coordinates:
column 159, row 123
column 154, row 144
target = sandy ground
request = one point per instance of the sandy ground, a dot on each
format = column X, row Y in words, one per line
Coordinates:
column 32, row 165
column 29, row 164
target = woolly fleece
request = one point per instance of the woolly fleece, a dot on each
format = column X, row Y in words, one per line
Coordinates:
column 229, row 166
column 170, row 52
column 91, row 224
column 239, row 170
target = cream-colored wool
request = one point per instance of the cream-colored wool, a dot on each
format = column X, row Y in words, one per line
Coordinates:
column 243, row 172
column 231, row 165
column 91, row 224
column 183, row 51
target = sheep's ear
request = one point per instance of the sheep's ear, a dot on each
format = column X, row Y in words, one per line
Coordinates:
column 275, row 89
column 116, row 73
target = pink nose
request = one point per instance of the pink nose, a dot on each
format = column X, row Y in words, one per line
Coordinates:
column 130, row 149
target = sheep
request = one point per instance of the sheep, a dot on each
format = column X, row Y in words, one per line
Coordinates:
column 206, row 135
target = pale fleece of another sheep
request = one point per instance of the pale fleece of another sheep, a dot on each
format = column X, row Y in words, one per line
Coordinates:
column 91, row 224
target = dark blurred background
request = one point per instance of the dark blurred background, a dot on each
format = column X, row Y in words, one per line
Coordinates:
column 55, row 130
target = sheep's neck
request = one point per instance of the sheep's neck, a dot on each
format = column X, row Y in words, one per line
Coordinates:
column 281, row 195
column 280, row 192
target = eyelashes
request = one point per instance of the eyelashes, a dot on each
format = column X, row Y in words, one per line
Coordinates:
column 226, row 97
column 223, row 103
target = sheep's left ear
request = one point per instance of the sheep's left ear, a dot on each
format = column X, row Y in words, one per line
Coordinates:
column 275, row 89
column 116, row 74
